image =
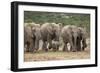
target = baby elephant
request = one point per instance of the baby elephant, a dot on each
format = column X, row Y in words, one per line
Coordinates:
column 55, row 45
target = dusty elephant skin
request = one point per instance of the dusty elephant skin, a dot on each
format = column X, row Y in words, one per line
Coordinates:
column 73, row 35
column 49, row 32
column 53, row 36
column 83, row 35
column 32, row 36
column 28, row 39
column 37, row 36
column 66, row 34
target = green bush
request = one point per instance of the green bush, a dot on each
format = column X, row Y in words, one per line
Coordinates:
column 82, row 20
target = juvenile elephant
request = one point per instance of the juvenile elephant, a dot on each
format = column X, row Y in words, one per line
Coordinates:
column 55, row 45
column 83, row 35
column 49, row 32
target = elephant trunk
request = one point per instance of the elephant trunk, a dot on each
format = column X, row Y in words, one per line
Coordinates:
column 74, row 43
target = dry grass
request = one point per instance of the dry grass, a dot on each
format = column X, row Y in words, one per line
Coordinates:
column 58, row 55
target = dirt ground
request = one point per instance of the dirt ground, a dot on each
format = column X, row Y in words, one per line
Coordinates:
column 59, row 55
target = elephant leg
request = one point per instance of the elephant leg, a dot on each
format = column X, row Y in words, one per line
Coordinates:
column 31, row 46
column 44, row 47
column 72, row 48
column 54, row 50
column 65, row 48
column 55, row 47
column 28, row 46
column 79, row 45
column 50, row 45
column 84, row 44
column 49, row 41
column 36, row 45
column 75, row 46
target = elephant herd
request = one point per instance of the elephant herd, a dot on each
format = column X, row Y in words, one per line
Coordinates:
column 51, row 35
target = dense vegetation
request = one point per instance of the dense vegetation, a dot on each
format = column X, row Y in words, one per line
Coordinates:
column 82, row 20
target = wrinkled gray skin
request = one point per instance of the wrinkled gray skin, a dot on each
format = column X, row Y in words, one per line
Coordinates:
column 32, row 36
column 83, row 36
column 77, row 36
column 28, row 39
column 36, row 36
column 73, row 35
column 66, row 34
column 49, row 32
column 55, row 45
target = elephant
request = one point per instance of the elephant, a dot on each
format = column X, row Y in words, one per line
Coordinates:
column 28, row 39
column 77, row 36
column 67, row 37
column 32, row 36
column 36, row 36
column 83, row 35
column 49, row 32
column 73, row 35
column 55, row 45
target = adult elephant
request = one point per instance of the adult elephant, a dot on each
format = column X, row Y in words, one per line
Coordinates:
column 32, row 36
column 73, row 35
column 49, row 32
column 28, row 39
column 77, row 37
column 67, row 37
column 36, row 36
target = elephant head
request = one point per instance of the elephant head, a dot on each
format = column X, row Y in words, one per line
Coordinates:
column 79, row 35
column 76, row 38
column 56, row 28
column 67, row 37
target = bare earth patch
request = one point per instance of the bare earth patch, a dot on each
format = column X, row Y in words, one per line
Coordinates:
column 58, row 55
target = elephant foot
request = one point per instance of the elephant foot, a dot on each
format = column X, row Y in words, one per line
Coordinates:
column 46, row 50
column 73, row 50
column 49, row 47
column 83, row 48
column 31, row 50
column 54, row 50
column 78, row 49
column 65, row 50
column 36, row 49
column 85, row 45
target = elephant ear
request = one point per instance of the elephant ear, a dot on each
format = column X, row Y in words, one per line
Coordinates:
column 33, row 32
column 83, row 32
